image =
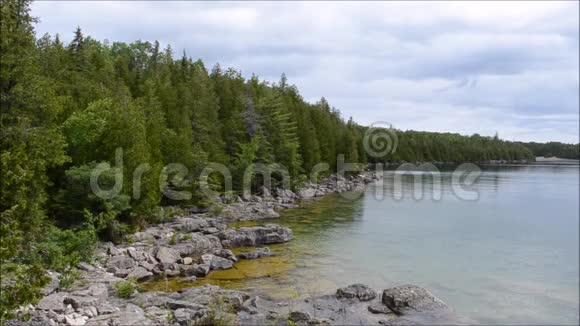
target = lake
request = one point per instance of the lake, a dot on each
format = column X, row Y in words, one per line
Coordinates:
column 509, row 257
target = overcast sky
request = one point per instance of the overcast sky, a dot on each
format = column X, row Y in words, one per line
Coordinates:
column 467, row 67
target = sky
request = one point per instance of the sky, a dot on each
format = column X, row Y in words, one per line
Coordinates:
column 466, row 67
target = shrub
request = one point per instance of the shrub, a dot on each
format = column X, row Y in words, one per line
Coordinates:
column 216, row 210
column 125, row 289
column 57, row 250
column 165, row 214
column 220, row 313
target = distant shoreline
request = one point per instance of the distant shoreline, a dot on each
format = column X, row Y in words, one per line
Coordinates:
column 556, row 161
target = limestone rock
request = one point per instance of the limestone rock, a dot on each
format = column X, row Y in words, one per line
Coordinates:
column 259, row 252
column 307, row 193
column 121, row 262
column 413, row 297
column 379, row 309
column 257, row 235
column 54, row 302
column 167, row 255
column 299, row 317
column 227, row 254
column 356, row 291
column 140, row 274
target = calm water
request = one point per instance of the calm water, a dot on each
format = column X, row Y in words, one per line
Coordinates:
column 509, row 257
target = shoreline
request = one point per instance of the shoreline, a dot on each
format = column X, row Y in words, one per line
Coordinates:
column 190, row 247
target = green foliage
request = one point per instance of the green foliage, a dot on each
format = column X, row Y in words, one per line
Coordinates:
column 561, row 150
column 63, row 249
column 221, row 313
column 76, row 196
column 165, row 214
column 58, row 250
column 423, row 146
column 125, row 289
column 65, row 108
column 216, row 210
column 85, row 130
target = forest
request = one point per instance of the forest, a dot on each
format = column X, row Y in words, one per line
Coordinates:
column 557, row 149
column 66, row 108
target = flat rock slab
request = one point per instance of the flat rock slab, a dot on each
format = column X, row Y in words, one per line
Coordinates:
column 54, row 302
column 380, row 309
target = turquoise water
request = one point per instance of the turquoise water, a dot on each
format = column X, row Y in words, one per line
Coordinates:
column 509, row 257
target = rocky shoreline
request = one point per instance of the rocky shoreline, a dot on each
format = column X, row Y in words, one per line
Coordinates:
column 194, row 245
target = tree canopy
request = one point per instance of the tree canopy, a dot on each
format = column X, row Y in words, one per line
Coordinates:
column 67, row 108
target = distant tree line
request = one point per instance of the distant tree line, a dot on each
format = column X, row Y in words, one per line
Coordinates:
column 422, row 146
column 557, row 149
column 66, row 108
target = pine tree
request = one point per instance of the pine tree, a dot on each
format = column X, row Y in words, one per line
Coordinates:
column 30, row 144
column 281, row 130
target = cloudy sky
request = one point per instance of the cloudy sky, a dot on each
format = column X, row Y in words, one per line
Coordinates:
column 447, row 66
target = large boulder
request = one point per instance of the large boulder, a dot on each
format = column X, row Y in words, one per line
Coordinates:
column 286, row 194
column 259, row 252
column 54, row 302
column 121, row 262
column 198, row 245
column 256, row 235
column 306, row 193
column 188, row 224
column 299, row 317
column 401, row 298
column 199, row 270
column 145, row 236
column 216, row 262
column 167, row 255
column 94, row 295
column 357, row 291
column 141, row 255
column 140, row 274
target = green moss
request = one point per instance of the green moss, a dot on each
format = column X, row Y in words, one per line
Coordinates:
column 240, row 224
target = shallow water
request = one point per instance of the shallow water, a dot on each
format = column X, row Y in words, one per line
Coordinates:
column 510, row 257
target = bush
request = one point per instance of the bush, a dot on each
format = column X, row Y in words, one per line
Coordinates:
column 63, row 249
column 221, row 313
column 216, row 210
column 125, row 289
column 164, row 214
column 76, row 196
column 57, row 250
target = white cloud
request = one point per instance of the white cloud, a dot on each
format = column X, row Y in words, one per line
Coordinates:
column 442, row 66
